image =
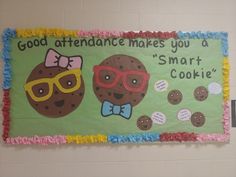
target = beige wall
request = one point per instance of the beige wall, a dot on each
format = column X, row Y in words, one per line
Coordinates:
column 167, row 160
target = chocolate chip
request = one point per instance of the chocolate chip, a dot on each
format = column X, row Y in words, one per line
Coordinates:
column 56, row 92
column 97, row 88
column 50, row 74
column 121, row 67
column 100, row 95
column 81, row 94
column 109, row 93
column 139, row 67
column 46, row 107
column 72, row 105
column 40, row 71
column 132, row 61
column 59, row 112
column 121, row 84
column 72, row 94
column 143, row 94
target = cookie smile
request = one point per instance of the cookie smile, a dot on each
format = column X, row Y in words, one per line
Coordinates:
column 145, row 126
column 59, row 103
column 118, row 95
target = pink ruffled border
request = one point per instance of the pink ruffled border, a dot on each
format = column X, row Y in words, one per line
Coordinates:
column 218, row 137
column 99, row 33
column 43, row 140
column 128, row 34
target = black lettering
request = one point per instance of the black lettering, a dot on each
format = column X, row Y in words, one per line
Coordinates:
column 156, row 43
column 148, row 42
column 173, row 60
column 20, row 46
column 181, row 75
column 174, row 46
column 63, row 42
column 183, row 61
column 186, row 44
column 121, row 42
column 198, row 60
column 108, row 41
column 44, row 41
column 70, row 41
column 204, row 43
column 76, row 43
column 172, row 72
column 36, row 43
column 91, row 42
column 188, row 75
column 162, row 60
column 30, row 44
column 162, row 42
column 58, row 43
column 133, row 42
column 114, row 42
column 99, row 42
column 83, row 42
column 195, row 74
column 208, row 74
column 141, row 44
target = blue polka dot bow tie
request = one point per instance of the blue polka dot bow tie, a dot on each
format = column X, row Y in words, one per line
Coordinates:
column 109, row 108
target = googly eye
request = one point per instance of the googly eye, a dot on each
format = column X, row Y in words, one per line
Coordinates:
column 107, row 77
column 69, row 83
column 134, row 81
column 40, row 91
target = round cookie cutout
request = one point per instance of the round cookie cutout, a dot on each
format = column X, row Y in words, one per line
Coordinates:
column 200, row 93
column 174, row 97
column 144, row 123
column 118, row 95
column 198, row 119
column 59, row 104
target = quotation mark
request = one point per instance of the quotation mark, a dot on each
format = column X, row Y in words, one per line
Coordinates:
column 154, row 55
column 213, row 70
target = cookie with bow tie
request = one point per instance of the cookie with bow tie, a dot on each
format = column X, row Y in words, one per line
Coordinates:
column 120, row 82
column 55, row 87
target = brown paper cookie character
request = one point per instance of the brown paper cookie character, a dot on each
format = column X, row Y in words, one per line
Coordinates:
column 200, row 93
column 144, row 123
column 175, row 97
column 55, row 88
column 198, row 119
column 120, row 82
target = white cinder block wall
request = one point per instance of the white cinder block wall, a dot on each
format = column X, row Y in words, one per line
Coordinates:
column 183, row 160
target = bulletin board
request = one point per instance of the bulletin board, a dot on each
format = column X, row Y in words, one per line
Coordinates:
column 74, row 86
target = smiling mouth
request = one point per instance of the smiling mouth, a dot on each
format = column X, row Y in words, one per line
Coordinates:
column 145, row 126
column 59, row 103
column 118, row 95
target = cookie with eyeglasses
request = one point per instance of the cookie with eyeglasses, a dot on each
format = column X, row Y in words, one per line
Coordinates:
column 55, row 87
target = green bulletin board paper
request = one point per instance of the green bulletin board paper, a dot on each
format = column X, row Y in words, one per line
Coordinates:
column 87, row 119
